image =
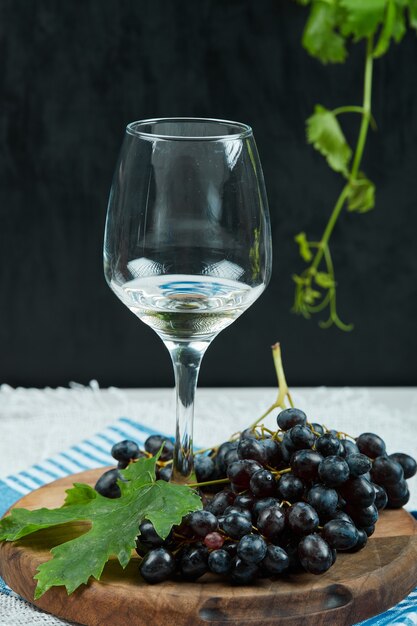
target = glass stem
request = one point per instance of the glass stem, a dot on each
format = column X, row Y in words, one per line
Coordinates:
column 186, row 358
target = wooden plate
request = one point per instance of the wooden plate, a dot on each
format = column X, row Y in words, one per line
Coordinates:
column 356, row 587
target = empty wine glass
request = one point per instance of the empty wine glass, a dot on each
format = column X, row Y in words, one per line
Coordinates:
column 187, row 243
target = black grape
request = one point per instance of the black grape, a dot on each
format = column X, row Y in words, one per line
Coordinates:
column 220, row 562
column 323, row 499
column 244, row 573
column 262, row 484
column 271, row 523
column 381, row 497
column 386, row 471
column 194, row 563
column 239, row 510
column 148, row 535
column 236, row 525
column 333, row 471
column 302, row 437
column 407, row 462
column 358, row 491
column 305, row 464
column 362, row 517
column 202, row 522
column 245, row 501
column 302, row 518
column 315, row 554
column 204, row 468
column 370, row 444
column 276, row 560
column 291, row 417
column 290, row 487
column 154, row 443
column 272, row 452
column 340, row 534
column 126, row 450
column 262, row 504
column 240, row 472
column 328, row 445
column 251, row 549
column 251, row 448
column 157, row 565
column 359, row 464
column 349, row 447
column 107, row 484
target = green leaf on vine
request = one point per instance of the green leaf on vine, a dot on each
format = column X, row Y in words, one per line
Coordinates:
column 394, row 26
column 400, row 25
column 323, row 279
column 412, row 13
column 320, row 38
column 326, row 135
column 363, row 17
column 361, row 195
column 387, row 30
column 304, row 247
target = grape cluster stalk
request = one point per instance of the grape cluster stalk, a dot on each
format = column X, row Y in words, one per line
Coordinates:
column 274, row 501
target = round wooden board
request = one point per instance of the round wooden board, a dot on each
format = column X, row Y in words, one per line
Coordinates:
column 356, row 587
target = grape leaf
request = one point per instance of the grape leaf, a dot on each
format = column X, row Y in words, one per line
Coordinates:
column 320, row 38
column 361, row 196
column 114, row 524
column 363, row 17
column 399, row 28
column 394, row 27
column 412, row 12
column 324, row 132
column 304, row 247
column 387, row 30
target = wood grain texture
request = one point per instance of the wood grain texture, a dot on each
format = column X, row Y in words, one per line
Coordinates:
column 356, row 587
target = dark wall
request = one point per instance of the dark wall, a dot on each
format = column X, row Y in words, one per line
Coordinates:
column 73, row 74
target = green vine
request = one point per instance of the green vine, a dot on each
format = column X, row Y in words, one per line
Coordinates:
column 331, row 25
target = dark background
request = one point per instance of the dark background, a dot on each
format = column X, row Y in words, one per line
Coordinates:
column 73, row 74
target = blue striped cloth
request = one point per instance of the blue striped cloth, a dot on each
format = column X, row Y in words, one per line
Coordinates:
column 95, row 452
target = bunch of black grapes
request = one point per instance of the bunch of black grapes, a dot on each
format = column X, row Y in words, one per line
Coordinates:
column 294, row 498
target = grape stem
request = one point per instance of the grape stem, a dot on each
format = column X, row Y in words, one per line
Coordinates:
column 219, row 481
column 283, row 471
column 283, row 390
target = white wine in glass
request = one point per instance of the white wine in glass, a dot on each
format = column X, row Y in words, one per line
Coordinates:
column 187, row 244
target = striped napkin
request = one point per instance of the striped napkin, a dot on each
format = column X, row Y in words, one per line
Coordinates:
column 95, row 452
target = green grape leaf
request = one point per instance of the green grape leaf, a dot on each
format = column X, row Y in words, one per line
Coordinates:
column 387, row 30
column 363, row 17
column 320, row 38
column 361, row 196
column 304, row 247
column 324, row 280
column 114, row 524
column 326, row 135
column 400, row 27
column 412, row 13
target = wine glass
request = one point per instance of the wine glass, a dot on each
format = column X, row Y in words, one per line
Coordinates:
column 187, row 242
